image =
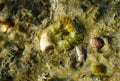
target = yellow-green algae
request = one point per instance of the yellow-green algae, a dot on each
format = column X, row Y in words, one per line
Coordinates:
column 22, row 60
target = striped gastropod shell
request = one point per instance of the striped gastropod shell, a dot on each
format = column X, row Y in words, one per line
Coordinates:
column 96, row 42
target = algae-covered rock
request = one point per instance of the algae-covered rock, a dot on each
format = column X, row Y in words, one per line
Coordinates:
column 49, row 40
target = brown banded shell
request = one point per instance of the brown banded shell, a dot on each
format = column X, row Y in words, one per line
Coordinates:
column 96, row 42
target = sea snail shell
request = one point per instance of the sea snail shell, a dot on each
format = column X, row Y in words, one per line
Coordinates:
column 96, row 42
column 80, row 54
column 45, row 43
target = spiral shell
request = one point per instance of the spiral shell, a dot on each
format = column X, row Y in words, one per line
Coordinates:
column 45, row 43
column 80, row 54
column 96, row 42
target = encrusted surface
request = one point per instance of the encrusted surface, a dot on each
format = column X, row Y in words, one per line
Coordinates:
column 66, row 24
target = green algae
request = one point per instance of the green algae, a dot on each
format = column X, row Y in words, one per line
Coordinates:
column 22, row 22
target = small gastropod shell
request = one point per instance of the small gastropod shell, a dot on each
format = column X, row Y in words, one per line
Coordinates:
column 45, row 43
column 96, row 42
column 80, row 54
column 3, row 28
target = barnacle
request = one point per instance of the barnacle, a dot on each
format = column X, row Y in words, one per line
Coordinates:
column 64, row 33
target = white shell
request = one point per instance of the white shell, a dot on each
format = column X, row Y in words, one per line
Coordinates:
column 45, row 43
column 80, row 54
column 3, row 28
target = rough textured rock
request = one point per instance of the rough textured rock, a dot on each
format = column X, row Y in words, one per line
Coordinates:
column 68, row 23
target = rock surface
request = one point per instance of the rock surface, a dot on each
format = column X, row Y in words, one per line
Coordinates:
column 68, row 23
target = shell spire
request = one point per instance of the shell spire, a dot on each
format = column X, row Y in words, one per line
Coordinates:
column 80, row 54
